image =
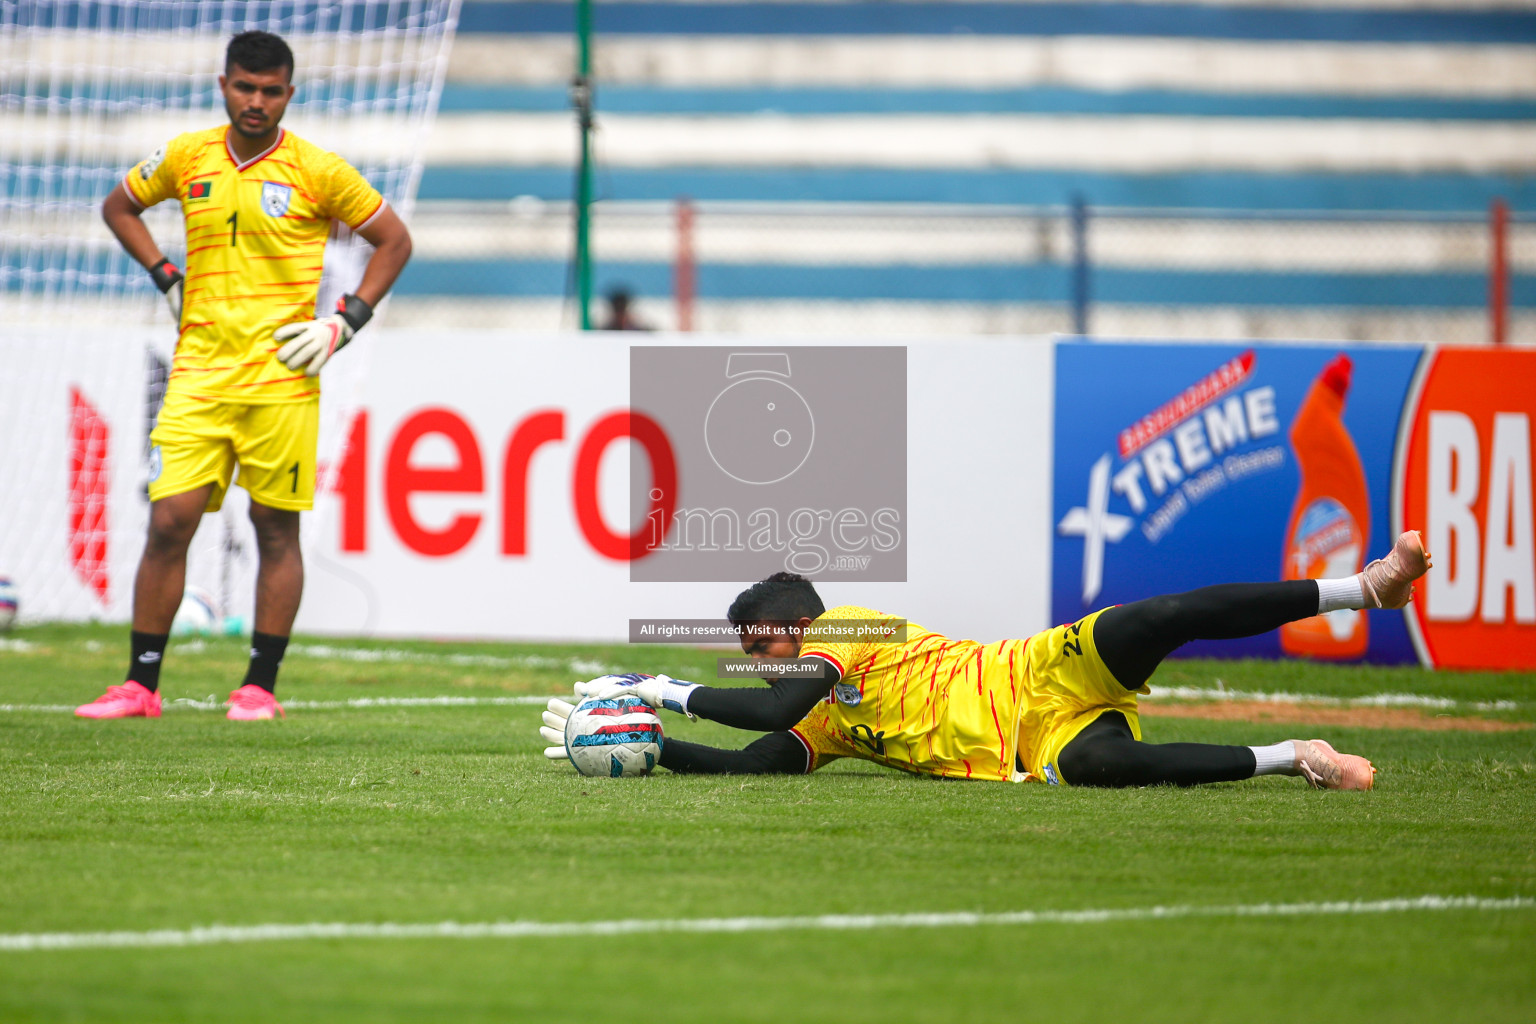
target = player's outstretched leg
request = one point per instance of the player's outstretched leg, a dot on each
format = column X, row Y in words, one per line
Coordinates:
column 1134, row 638
column 1106, row 753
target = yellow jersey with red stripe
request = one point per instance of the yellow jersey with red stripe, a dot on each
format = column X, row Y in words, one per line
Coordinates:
column 914, row 700
column 256, row 234
column 956, row 708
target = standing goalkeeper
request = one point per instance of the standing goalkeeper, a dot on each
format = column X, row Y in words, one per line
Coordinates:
column 244, row 389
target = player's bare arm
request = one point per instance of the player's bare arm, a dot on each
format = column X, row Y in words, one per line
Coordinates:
column 307, row 346
column 391, row 242
column 125, row 219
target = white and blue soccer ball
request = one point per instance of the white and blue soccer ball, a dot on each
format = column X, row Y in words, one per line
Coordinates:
column 198, row 614
column 10, row 603
column 613, row 738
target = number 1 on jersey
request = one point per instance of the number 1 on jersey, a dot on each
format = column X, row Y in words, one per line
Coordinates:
column 233, row 222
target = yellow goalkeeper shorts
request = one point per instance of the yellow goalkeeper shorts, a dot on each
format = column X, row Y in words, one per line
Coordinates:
column 1068, row 687
column 197, row 442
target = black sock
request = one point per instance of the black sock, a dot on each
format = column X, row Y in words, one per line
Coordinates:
column 266, row 655
column 1107, row 753
column 144, row 662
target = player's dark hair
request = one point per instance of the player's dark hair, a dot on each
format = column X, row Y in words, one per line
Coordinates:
column 258, row 51
column 782, row 597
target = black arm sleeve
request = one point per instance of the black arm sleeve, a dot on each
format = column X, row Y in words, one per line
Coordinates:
column 772, row 708
column 777, row 753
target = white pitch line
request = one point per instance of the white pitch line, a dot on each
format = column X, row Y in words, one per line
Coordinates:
column 232, row 934
column 417, row 702
column 1392, row 700
column 584, row 666
column 196, row 645
column 587, row 667
column 214, row 704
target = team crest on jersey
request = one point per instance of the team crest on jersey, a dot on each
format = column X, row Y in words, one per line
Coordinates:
column 1051, row 776
column 275, row 198
column 156, row 464
column 148, row 168
column 847, row 693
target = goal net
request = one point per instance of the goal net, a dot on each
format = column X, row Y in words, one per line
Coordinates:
column 88, row 89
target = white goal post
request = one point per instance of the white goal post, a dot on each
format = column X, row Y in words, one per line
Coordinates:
column 87, row 89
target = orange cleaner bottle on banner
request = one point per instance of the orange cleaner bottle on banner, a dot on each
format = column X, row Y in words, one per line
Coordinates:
column 1331, row 521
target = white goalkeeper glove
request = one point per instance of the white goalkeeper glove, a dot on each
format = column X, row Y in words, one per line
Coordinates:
column 169, row 280
column 311, row 344
column 553, row 729
column 657, row 691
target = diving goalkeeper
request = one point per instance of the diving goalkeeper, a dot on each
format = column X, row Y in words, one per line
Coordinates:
column 1058, row 707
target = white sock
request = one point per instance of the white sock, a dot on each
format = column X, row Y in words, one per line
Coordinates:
column 1332, row 595
column 1275, row 759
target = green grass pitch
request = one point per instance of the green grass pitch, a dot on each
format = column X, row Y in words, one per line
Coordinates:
column 425, row 814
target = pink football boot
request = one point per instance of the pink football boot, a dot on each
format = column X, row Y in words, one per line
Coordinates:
column 1326, row 768
column 251, row 703
column 1388, row 582
column 130, row 700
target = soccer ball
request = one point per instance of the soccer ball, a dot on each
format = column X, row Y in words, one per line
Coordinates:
column 613, row 738
column 198, row 614
column 9, row 603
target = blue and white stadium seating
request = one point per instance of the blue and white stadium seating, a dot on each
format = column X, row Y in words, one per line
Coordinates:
column 1251, row 167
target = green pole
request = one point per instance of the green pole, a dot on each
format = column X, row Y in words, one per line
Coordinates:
column 581, row 98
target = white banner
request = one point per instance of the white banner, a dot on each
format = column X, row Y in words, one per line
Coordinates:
column 72, row 425
column 979, row 440
column 455, row 513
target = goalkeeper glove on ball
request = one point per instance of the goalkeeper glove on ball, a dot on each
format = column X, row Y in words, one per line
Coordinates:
column 311, row 344
column 553, row 729
column 657, row 691
column 168, row 279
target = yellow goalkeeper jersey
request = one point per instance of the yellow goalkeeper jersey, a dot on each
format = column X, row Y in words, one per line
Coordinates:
column 256, row 234
column 923, row 702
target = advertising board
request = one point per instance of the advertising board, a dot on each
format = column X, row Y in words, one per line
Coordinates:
column 1464, row 477
column 1180, row 465
column 492, row 495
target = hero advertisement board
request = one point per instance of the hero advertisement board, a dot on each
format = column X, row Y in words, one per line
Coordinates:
column 1183, row 465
